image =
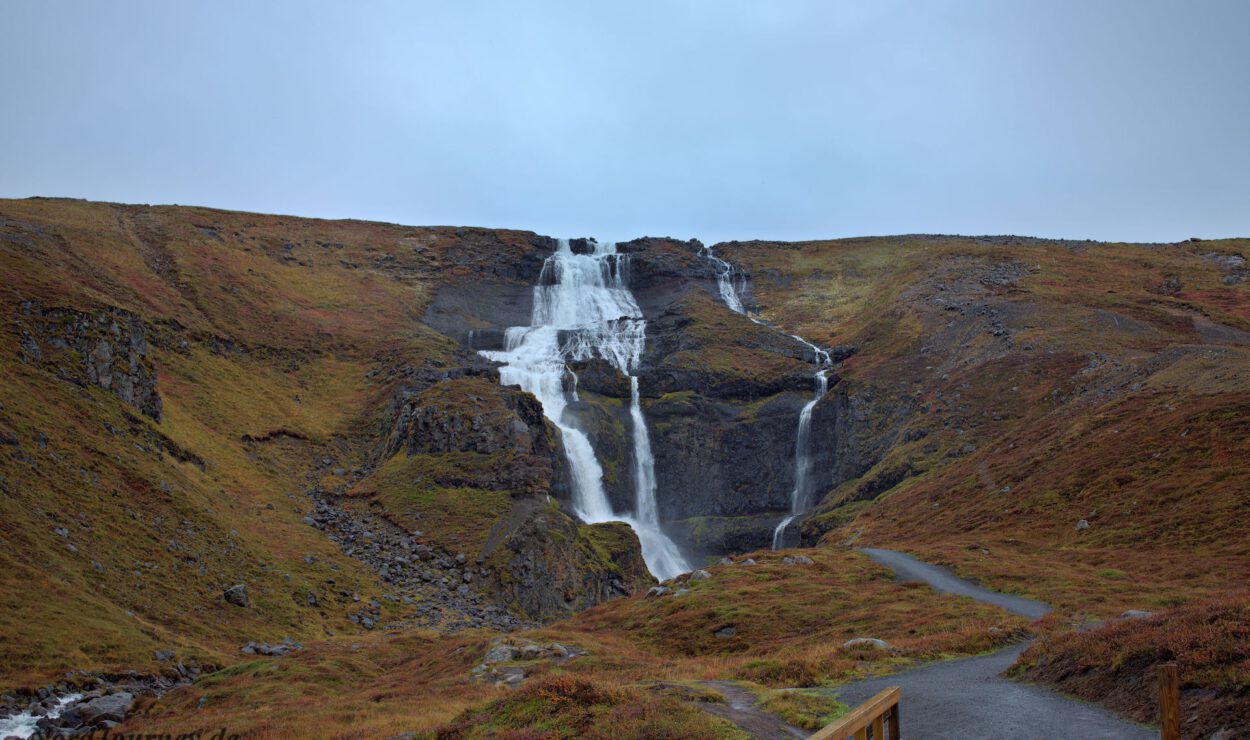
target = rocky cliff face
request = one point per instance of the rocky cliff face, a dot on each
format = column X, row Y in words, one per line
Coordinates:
column 466, row 434
column 721, row 394
column 107, row 348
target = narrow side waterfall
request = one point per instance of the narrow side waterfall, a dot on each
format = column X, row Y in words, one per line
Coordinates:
column 583, row 309
column 800, row 497
column 725, row 274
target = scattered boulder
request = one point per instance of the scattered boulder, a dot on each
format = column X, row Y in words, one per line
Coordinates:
column 105, row 708
column 728, row 631
column 871, row 642
column 236, row 595
column 1082, row 525
column 797, row 560
column 700, row 575
column 282, row 648
column 500, row 654
column 1136, row 614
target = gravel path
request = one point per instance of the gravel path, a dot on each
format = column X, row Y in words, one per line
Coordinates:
column 969, row 698
column 908, row 568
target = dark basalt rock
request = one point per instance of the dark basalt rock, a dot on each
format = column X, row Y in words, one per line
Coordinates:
column 549, row 566
column 106, row 348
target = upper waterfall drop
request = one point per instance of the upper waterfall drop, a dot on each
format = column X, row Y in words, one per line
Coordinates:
column 725, row 274
column 583, row 309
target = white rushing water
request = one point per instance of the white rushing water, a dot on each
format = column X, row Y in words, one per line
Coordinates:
column 583, row 309
column 728, row 279
column 800, row 497
column 726, row 275
column 23, row 724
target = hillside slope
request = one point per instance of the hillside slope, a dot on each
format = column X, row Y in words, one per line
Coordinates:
column 199, row 399
column 1077, row 411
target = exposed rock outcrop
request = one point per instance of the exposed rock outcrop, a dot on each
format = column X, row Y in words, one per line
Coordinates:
column 106, row 348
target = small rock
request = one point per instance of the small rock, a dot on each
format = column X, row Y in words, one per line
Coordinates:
column 1136, row 614
column 312, row 599
column 871, row 642
column 748, row 561
column 729, row 631
column 236, row 595
column 726, row 561
column 700, row 575
column 1082, row 525
column 658, row 591
column 164, row 655
column 500, row 654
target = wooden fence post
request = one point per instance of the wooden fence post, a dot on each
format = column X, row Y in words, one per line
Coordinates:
column 1169, row 702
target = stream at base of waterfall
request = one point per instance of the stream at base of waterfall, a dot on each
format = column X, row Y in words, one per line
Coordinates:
column 583, row 309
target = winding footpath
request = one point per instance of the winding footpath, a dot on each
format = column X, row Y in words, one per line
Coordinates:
column 969, row 698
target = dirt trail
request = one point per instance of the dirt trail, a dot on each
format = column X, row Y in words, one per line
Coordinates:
column 741, row 708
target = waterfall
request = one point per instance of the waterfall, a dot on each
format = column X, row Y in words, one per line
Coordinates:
column 800, row 497
column 583, row 309
column 725, row 274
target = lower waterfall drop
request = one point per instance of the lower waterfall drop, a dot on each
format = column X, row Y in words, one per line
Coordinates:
column 800, row 497
column 583, row 309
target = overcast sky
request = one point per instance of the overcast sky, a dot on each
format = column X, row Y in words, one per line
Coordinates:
column 712, row 119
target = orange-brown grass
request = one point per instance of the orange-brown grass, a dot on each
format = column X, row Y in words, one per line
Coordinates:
column 791, row 622
column 1116, row 399
column 574, row 707
column 308, row 308
column 1116, row 664
column 1160, row 481
column 376, row 685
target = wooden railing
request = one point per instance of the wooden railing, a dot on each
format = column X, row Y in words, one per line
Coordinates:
column 872, row 719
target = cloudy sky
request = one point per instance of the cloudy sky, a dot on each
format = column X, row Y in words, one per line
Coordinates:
column 714, row 119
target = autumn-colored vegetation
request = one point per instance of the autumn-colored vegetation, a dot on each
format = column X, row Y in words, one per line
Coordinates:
column 1073, row 427
column 1117, row 664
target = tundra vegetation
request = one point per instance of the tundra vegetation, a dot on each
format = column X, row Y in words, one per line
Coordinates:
column 197, row 399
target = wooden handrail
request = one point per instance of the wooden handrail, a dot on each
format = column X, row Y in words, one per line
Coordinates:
column 869, row 719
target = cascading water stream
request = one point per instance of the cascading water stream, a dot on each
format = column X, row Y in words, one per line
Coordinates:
column 583, row 309
column 800, row 497
column 725, row 274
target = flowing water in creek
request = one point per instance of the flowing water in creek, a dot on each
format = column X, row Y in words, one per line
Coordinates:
column 727, row 281
column 583, row 309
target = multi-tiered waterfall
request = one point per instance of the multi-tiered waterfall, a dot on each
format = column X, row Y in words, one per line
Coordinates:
column 727, row 281
column 583, row 309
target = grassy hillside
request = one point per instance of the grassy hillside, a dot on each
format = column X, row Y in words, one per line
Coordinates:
column 196, row 399
column 1056, row 383
column 272, row 345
